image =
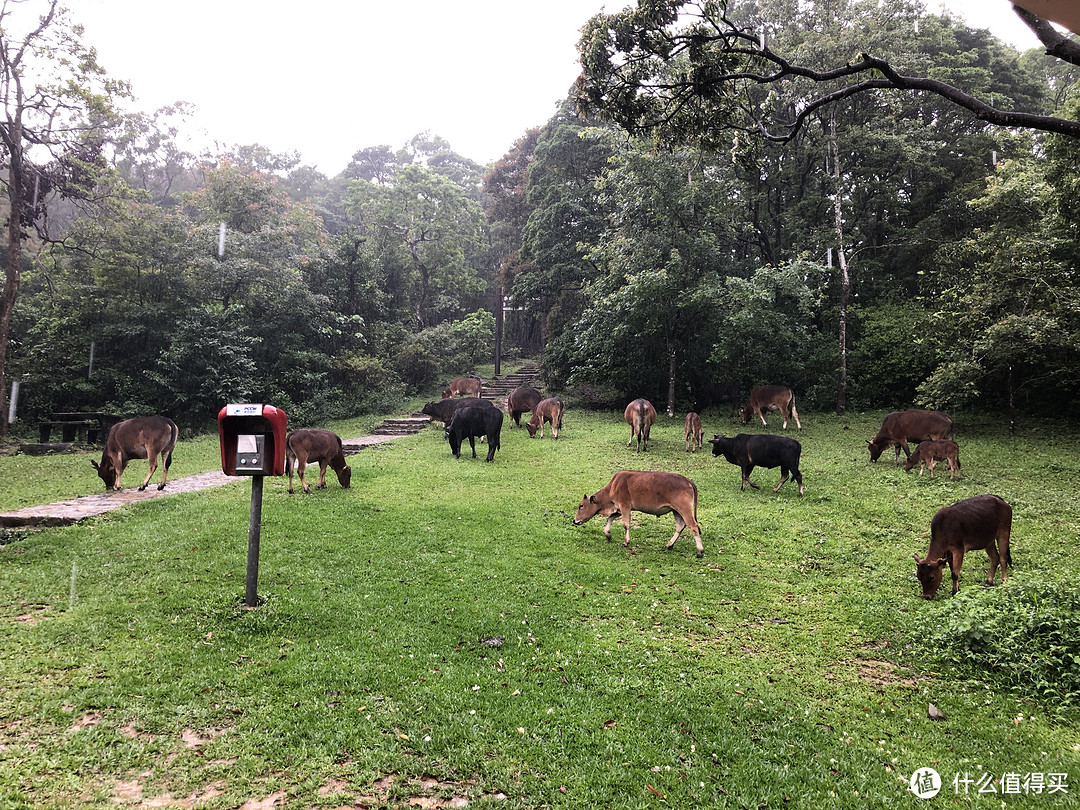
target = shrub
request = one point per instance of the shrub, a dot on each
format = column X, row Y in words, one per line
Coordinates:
column 1025, row 637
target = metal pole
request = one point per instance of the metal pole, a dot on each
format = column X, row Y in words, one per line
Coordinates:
column 251, row 594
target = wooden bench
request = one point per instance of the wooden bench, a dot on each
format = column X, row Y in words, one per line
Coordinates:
column 86, row 430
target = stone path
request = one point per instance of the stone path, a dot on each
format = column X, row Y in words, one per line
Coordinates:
column 65, row 513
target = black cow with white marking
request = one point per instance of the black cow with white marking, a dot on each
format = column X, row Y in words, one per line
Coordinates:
column 467, row 423
column 443, row 410
column 747, row 451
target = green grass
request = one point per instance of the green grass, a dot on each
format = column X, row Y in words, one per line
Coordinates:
column 784, row 669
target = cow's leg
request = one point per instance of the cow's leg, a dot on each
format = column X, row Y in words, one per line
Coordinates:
column 289, row 464
column 995, row 558
column 322, row 474
column 680, row 524
column 795, row 416
column 956, row 560
column 784, row 475
column 301, row 466
column 746, row 478
column 151, row 462
column 607, row 526
column 472, row 444
column 1003, row 546
column 761, row 415
column 626, row 525
column 798, row 479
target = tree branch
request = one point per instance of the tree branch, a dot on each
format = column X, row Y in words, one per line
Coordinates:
column 1057, row 44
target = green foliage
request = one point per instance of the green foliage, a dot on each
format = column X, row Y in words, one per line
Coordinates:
column 894, row 348
column 474, row 339
column 1025, row 637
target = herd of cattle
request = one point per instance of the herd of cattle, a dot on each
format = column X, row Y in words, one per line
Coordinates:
column 981, row 522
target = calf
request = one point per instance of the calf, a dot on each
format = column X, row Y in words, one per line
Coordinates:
column 470, row 386
column 984, row 521
column 444, row 409
column 928, row 454
column 654, row 493
column 692, row 428
column 521, row 401
column 761, row 450
column 771, row 398
column 468, row 423
column 547, row 410
column 308, row 446
column 640, row 415
column 901, row 427
column 142, row 437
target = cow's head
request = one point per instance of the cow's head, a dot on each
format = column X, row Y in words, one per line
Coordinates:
column 876, row 446
column 720, row 444
column 586, row 509
column 105, row 470
column 428, row 409
column 344, row 476
column 929, row 574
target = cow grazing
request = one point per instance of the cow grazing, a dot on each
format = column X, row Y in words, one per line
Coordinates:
column 654, row 493
column 547, row 410
column 984, row 521
column 692, row 428
column 467, row 423
column 928, row 454
column 901, row 427
column 142, row 437
column 521, row 401
column 747, row 451
column 640, row 415
column 443, row 410
column 307, row 446
column 771, row 398
column 716, row 393
column 469, row 386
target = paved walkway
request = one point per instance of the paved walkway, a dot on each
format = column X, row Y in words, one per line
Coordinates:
column 65, row 513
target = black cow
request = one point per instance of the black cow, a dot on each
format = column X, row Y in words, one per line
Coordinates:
column 747, row 451
column 716, row 393
column 467, row 423
column 443, row 410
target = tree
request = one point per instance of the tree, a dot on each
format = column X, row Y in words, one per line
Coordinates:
column 56, row 110
column 677, row 66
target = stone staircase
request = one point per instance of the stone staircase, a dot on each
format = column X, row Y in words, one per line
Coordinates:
column 499, row 388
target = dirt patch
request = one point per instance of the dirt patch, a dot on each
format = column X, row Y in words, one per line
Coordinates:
column 885, row 673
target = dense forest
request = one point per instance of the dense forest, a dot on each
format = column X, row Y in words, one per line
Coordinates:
column 880, row 248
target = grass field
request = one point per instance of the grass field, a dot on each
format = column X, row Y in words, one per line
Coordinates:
column 441, row 631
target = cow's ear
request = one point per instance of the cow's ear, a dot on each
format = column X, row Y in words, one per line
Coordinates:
column 96, row 467
column 940, row 562
column 592, row 499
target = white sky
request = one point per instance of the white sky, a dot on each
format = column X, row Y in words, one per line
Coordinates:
column 327, row 78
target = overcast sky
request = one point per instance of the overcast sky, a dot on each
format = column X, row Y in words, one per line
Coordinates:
column 326, row 78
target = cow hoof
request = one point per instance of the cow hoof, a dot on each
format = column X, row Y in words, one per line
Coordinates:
column 700, row 554
column 160, row 487
column 142, row 488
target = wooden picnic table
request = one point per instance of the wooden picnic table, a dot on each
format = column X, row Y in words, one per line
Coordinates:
column 88, row 427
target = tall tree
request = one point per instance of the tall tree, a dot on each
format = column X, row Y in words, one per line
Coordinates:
column 56, row 105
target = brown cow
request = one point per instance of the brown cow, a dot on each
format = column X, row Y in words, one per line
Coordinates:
column 469, row 386
column 640, row 415
column 547, row 410
column 694, row 434
column 654, row 493
column 901, row 427
column 928, row 454
column 771, row 398
column 966, row 526
column 522, row 400
column 307, row 446
column 142, row 437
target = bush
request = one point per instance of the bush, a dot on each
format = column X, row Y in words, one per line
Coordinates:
column 417, row 366
column 1024, row 636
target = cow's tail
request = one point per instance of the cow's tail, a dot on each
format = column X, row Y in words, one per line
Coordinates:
column 174, row 434
column 290, row 456
column 639, row 419
column 694, row 487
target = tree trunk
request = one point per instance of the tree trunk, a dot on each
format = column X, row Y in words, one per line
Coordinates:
column 13, row 270
column 671, row 382
column 845, row 279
